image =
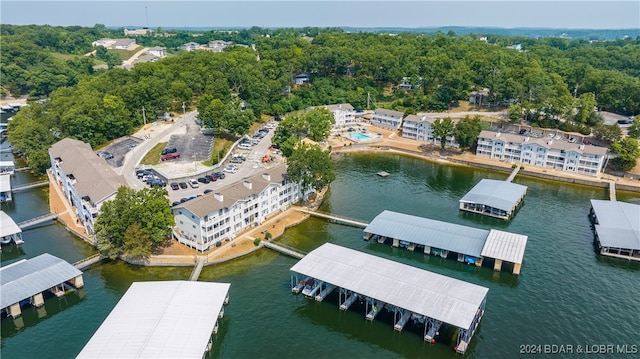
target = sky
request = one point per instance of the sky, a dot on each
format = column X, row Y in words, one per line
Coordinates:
column 566, row 14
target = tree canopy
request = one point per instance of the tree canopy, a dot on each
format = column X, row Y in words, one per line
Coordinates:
column 310, row 166
column 441, row 129
column 466, row 131
column 628, row 153
column 134, row 223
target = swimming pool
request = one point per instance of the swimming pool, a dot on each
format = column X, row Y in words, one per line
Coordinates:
column 357, row 136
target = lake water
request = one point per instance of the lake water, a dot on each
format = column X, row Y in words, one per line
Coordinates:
column 566, row 294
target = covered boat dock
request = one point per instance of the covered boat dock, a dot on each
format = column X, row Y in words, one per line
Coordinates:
column 5, row 188
column 471, row 245
column 617, row 228
column 24, row 281
column 494, row 198
column 9, row 230
column 409, row 293
column 164, row 319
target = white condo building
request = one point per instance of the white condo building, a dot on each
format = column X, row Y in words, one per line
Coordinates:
column 543, row 152
column 419, row 127
column 343, row 113
column 387, row 118
column 85, row 179
column 203, row 222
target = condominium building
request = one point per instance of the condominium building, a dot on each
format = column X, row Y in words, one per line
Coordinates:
column 387, row 118
column 209, row 220
column 86, row 180
column 343, row 113
column 420, row 127
column 544, row 152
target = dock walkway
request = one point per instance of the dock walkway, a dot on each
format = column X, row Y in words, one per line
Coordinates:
column 339, row 219
column 30, row 186
column 38, row 220
column 197, row 269
column 513, row 174
column 89, row 261
column 284, row 250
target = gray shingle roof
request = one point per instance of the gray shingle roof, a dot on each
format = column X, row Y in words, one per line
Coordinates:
column 95, row 178
column 497, row 194
column 618, row 224
column 234, row 192
column 392, row 113
column 25, row 278
column 433, row 295
column 545, row 142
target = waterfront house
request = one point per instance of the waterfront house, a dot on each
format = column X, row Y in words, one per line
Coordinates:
column 86, row 180
column 387, row 118
column 343, row 113
column 420, row 127
column 544, row 152
column 158, row 51
column 190, row 46
column 301, row 79
column 207, row 221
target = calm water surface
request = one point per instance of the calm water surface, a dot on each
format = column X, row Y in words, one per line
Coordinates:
column 566, row 294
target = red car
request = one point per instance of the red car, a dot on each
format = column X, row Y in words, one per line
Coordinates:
column 170, row 156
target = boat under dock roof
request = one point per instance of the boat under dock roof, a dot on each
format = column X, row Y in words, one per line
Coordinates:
column 165, row 319
column 422, row 292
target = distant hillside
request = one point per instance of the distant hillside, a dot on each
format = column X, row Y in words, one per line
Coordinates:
column 585, row 34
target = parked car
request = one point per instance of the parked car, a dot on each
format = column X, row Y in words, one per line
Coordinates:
column 244, row 146
column 220, row 175
column 275, row 146
column 106, row 155
column 573, row 140
column 170, row 156
column 174, row 186
column 212, row 178
column 522, row 131
column 169, row 150
column 231, row 169
column 193, row 183
column 204, row 180
column 208, row 190
column 237, row 159
column 182, row 185
column 157, row 183
column 142, row 172
column 175, row 203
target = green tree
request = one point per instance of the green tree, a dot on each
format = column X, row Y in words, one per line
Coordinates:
column 311, row 167
column 609, row 133
column 467, row 130
column 634, row 129
column 628, row 153
column 515, row 112
column 134, row 223
column 319, row 121
column 441, row 129
column 585, row 107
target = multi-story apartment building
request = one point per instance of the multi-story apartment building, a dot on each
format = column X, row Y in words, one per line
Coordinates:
column 387, row 118
column 419, row 127
column 85, row 179
column 343, row 113
column 545, row 152
column 204, row 222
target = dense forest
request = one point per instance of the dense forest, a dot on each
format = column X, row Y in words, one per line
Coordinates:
column 546, row 80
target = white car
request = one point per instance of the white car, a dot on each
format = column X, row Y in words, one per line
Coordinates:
column 244, row 146
column 193, row 183
column 231, row 169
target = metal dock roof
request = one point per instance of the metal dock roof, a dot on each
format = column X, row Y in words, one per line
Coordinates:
column 618, row 224
column 26, row 278
column 505, row 246
column 446, row 299
column 497, row 194
column 166, row 319
column 8, row 226
column 425, row 231
column 5, row 183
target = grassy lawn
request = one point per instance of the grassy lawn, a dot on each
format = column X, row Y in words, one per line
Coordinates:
column 220, row 148
column 124, row 54
column 153, row 156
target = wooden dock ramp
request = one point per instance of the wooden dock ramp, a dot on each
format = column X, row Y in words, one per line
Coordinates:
column 337, row 219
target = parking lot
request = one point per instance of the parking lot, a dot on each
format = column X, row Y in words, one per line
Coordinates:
column 192, row 145
column 114, row 153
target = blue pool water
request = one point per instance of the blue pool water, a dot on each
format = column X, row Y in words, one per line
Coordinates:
column 358, row 136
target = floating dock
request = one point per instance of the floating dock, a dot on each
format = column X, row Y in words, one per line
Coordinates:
column 383, row 174
column 494, row 198
column 164, row 319
column 9, row 230
column 617, row 228
column 472, row 245
column 25, row 281
column 7, row 167
column 410, row 293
